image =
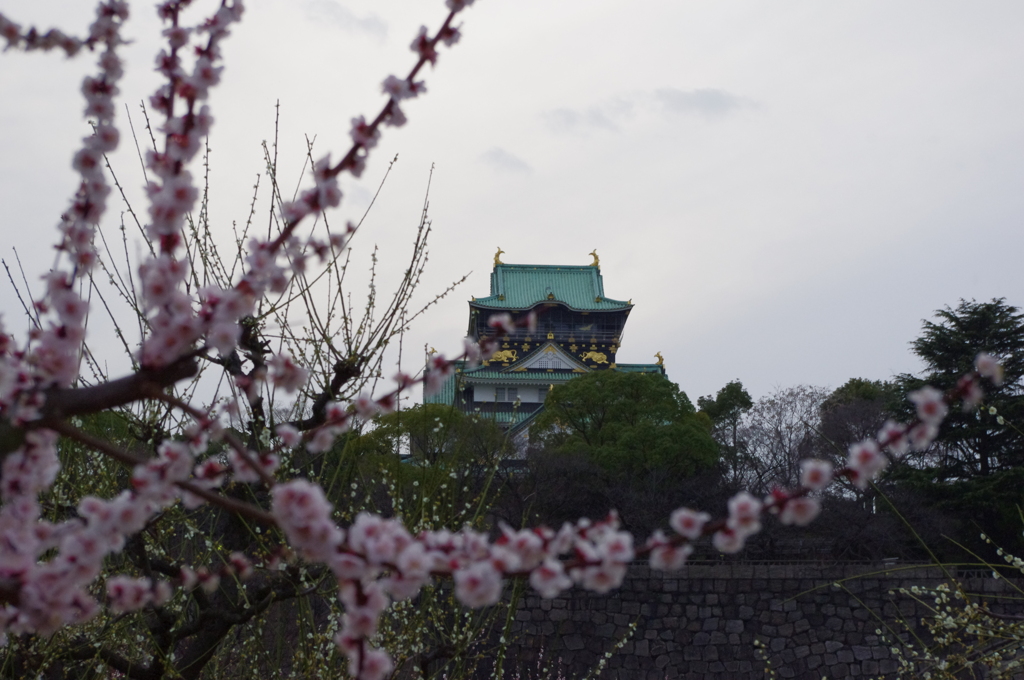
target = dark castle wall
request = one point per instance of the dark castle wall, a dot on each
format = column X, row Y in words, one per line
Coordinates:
column 702, row 622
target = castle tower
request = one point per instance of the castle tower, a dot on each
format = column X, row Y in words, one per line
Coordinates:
column 579, row 329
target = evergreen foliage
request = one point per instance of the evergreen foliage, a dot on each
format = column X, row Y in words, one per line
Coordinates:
column 628, row 423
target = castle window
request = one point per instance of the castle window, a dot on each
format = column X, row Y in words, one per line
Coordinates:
column 506, row 393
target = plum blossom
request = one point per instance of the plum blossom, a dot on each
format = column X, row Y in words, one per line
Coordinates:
column 815, row 474
column 438, row 371
column 243, row 472
column 549, row 578
column 893, row 436
column 666, row 556
column 502, row 322
column 930, row 403
column 288, row 435
column 401, row 88
column 744, row 513
column 800, row 511
column 921, row 436
column 865, row 462
column 364, row 134
column 989, row 367
column 688, row 523
column 286, row 374
column 728, row 540
column 424, row 47
column 478, row 584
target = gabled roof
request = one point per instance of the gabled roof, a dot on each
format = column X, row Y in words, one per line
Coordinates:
column 521, row 286
column 532, row 358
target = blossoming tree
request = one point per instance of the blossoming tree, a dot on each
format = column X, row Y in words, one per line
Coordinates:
column 50, row 565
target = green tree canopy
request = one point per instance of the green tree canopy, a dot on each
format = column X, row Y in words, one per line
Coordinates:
column 856, row 411
column 435, row 433
column 628, row 423
column 974, row 443
column 726, row 410
column 973, row 470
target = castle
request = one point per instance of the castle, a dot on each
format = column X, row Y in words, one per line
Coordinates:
column 579, row 329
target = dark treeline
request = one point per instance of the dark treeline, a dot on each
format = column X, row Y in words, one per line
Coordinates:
column 637, row 444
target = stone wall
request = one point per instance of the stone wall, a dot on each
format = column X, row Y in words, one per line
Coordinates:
column 702, row 622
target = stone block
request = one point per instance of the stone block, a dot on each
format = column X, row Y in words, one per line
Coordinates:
column 734, row 626
column 573, row 642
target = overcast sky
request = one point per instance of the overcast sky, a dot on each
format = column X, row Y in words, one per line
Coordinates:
column 784, row 189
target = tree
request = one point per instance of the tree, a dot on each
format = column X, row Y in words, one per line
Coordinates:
column 628, row 423
column 974, row 469
column 776, row 433
column 155, row 526
column 854, row 412
column 437, row 434
column 726, row 410
column 974, row 443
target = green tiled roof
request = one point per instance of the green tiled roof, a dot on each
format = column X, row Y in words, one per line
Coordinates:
column 445, row 395
column 518, row 376
column 509, row 418
column 640, row 368
column 520, row 286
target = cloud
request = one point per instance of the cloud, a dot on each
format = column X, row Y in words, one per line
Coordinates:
column 606, row 116
column 503, row 161
column 610, row 115
column 707, row 101
column 339, row 15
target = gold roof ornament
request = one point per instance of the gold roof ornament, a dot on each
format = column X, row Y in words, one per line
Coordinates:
column 497, row 257
column 597, row 260
column 661, row 359
column 432, row 351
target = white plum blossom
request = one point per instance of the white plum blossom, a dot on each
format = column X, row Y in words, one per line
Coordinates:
column 502, row 322
column 363, row 134
column 478, row 584
column 286, row 374
column 666, row 556
column 922, row 435
column 437, row 372
column 865, row 462
column 800, row 511
column 815, row 474
column 688, row 523
column 728, row 540
column 423, row 46
column 893, row 436
column 930, row 403
column 744, row 513
column 549, row 578
column 288, row 434
column 989, row 367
